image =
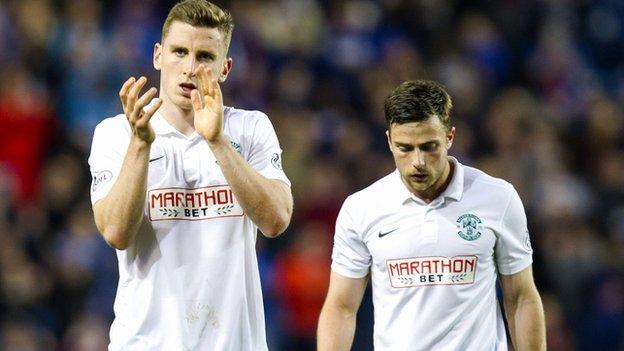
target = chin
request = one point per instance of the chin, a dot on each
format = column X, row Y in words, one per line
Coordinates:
column 183, row 103
column 419, row 186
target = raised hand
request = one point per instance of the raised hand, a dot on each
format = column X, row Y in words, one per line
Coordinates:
column 133, row 107
column 207, row 103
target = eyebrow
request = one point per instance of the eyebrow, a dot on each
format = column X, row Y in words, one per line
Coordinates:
column 397, row 143
column 210, row 54
column 199, row 52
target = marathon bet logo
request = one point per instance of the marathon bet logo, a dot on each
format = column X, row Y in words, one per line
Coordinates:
column 434, row 270
column 469, row 226
column 192, row 204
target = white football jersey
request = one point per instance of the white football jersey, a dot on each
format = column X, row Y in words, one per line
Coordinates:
column 190, row 279
column 434, row 266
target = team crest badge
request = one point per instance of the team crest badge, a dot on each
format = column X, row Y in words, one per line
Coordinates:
column 469, row 227
column 236, row 147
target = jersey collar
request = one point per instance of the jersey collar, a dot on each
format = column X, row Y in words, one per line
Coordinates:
column 454, row 190
column 161, row 126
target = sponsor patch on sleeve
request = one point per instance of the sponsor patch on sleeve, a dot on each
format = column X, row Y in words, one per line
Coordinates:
column 419, row 271
column 100, row 178
column 192, row 204
column 276, row 161
column 527, row 241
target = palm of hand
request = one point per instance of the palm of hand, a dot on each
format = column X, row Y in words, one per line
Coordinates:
column 136, row 110
column 207, row 104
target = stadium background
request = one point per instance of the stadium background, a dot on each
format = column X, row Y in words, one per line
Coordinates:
column 538, row 88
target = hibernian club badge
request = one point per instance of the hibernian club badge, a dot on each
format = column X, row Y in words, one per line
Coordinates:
column 469, row 227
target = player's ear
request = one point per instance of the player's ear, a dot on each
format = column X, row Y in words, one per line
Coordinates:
column 389, row 139
column 227, row 67
column 157, row 58
column 450, row 136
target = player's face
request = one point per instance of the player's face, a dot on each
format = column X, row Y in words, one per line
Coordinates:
column 183, row 49
column 420, row 152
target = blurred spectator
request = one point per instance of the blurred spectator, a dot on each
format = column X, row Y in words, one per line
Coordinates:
column 24, row 336
column 603, row 319
column 559, row 335
column 27, row 128
column 86, row 334
column 575, row 255
column 301, row 274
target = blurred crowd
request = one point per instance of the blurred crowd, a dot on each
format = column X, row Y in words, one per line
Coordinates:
column 538, row 89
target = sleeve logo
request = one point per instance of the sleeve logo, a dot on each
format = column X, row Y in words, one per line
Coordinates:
column 527, row 241
column 100, row 178
column 276, row 161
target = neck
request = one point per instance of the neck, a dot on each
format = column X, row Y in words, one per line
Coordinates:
column 180, row 119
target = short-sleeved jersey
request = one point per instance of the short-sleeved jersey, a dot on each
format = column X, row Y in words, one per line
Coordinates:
column 190, row 279
column 434, row 266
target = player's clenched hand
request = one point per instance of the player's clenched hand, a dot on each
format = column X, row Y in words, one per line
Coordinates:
column 133, row 107
column 208, row 105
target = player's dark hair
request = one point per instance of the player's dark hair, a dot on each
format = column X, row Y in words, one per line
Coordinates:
column 201, row 13
column 418, row 100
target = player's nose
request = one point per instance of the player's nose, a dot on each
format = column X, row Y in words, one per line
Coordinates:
column 190, row 66
column 418, row 159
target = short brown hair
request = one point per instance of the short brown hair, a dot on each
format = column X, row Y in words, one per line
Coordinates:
column 418, row 100
column 201, row 13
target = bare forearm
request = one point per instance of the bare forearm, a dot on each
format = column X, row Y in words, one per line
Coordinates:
column 526, row 323
column 268, row 205
column 119, row 215
column 335, row 330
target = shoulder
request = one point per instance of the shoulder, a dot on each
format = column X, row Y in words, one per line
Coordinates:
column 113, row 125
column 111, row 135
column 477, row 181
column 372, row 194
column 250, row 125
column 241, row 116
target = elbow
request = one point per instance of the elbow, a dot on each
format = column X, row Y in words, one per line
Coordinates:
column 277, row 225
column 276, row 221
column 116, row 239
column 117, row 233
column 341, row 310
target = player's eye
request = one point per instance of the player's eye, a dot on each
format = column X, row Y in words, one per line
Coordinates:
column 205, row 57
column 429, row 147
column 179, row 52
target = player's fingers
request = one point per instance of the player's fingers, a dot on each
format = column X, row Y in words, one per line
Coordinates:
column 211, row 80
column 200, row 79
column 132, row 97
column 149, row 112
column 198, row 82
column 123, row 92
column 196, row 100
column 216, row 88
column 205, row 75
column 201, row 85
column 145, row 99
